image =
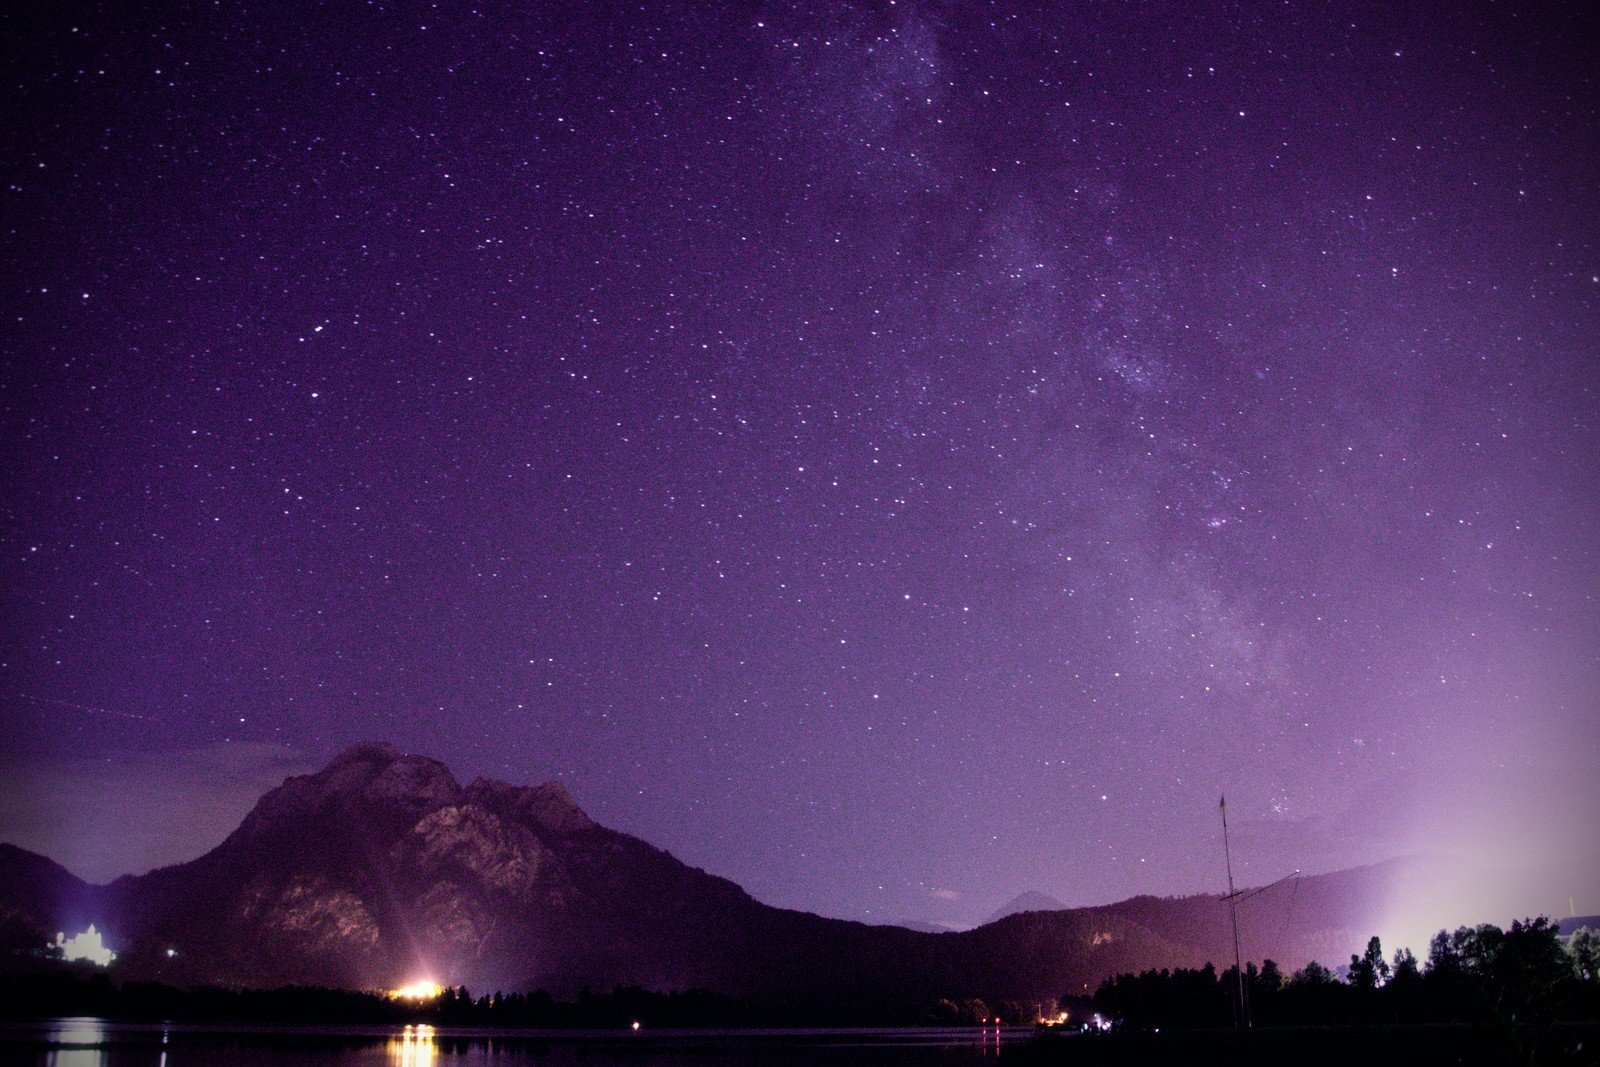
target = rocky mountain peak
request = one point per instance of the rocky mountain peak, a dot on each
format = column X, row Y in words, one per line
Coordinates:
column 381, row 770
column 375, row 786
column 415, row 782
column 361, row 782
column 374, row 753
column 548, row 806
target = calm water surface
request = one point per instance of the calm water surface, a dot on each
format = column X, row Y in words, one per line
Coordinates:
column 97, row 1043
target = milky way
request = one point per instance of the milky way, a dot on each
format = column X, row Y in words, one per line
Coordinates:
column 893, row 455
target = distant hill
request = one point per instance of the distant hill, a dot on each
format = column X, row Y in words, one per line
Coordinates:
column 39, row 898
column 1029, row 901
column 381, row 869
column 926, row 927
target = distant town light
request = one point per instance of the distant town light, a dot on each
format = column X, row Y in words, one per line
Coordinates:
column 636, row 1025
column 423, row 989
column 88, row 945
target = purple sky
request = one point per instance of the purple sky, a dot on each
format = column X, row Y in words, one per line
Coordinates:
column 893, row 455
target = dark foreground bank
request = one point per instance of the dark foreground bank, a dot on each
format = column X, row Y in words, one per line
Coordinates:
column 1333, row 1046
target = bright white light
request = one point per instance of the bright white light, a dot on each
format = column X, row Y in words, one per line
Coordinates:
column 88, row 945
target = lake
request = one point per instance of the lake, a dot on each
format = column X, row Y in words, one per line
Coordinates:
column 85, row 1042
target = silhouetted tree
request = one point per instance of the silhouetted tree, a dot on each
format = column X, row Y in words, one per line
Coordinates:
column 1584, row 948
column 1369, row 970
column 1528, row 969
column 975, row 1012
column 1313, row 975
column 1402, row 993
column 1443, row 955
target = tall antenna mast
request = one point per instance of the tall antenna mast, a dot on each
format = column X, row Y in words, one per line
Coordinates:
column 1241, row 1003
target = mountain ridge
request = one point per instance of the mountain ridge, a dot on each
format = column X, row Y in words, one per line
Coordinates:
column 381, row 868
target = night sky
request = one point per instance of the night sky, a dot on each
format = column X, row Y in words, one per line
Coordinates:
column 893, row 455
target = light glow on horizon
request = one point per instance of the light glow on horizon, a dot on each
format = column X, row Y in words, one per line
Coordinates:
column 422, row 989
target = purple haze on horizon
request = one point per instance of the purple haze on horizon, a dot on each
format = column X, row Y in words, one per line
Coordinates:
column 893, row 455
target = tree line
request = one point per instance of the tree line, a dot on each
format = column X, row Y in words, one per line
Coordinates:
column 1481, row 975
column 66, row 992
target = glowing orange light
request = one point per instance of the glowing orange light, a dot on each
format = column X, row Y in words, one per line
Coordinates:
column 423, row 989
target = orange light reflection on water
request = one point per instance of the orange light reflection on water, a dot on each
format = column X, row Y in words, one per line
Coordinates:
column 414, row 1047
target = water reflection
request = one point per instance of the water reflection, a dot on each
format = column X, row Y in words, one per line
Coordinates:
column 77, row 1043
column 416, row 1046
column 88, row 1042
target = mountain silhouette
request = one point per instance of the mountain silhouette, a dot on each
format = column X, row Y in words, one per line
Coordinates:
column 381, row 869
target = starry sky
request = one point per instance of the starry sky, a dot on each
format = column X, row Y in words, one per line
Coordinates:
column 894, row 455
